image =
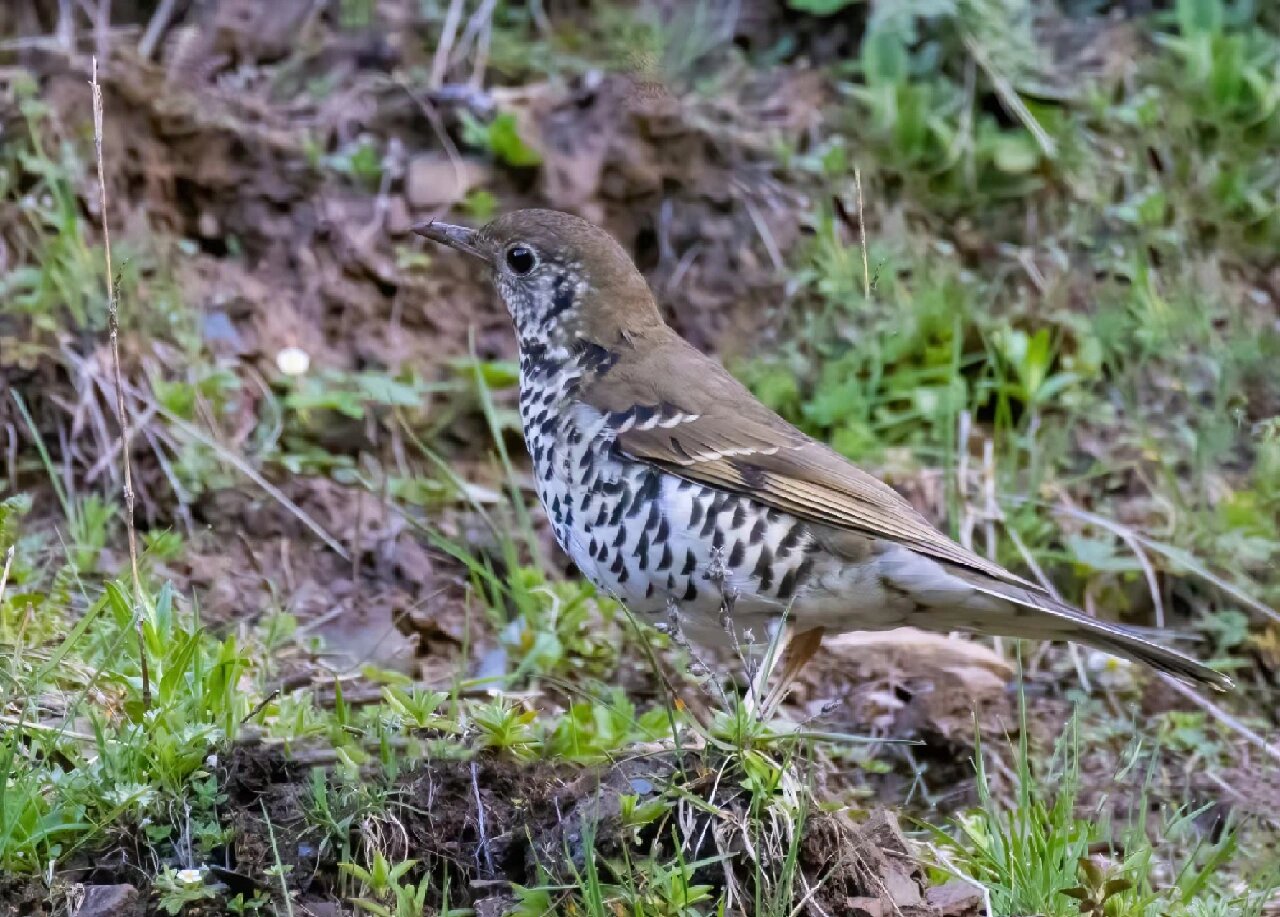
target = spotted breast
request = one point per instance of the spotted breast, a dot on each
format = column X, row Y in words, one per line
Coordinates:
column 652, row 539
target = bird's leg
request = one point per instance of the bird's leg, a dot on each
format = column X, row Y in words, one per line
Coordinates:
column 696, row 709
column 800, row 649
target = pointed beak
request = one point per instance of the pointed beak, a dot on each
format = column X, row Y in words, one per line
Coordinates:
column 459, row 237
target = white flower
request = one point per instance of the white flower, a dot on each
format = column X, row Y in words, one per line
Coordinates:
column 191, row 876
column 293, row 361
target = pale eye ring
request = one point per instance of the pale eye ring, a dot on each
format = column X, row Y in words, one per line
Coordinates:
column 520, row 259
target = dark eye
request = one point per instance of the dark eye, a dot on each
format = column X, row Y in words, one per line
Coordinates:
column 521, row 259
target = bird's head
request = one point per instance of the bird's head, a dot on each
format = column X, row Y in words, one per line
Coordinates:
column 560, row 276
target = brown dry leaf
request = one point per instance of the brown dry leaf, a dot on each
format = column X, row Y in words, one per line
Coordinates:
column 908, row 652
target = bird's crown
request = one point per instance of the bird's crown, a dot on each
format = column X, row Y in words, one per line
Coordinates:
column 559, row 275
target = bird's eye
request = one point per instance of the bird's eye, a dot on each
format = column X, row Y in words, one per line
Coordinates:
column 521, row 259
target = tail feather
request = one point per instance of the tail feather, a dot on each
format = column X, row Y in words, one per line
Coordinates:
column 1039, row 615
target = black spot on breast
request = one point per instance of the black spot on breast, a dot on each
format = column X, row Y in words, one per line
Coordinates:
column 806, row 567
column 562, row 296
column 713, row 512
column 690, row 593
column 737, row 554
column 791, row 539
column 695, row 513
column 616, row 516
column 787, row 587
column 641, row 548
column 665, row 562
column 757, row 532
column 717, row 538
column 764, row 569
column 689, row 563
column 739, row 515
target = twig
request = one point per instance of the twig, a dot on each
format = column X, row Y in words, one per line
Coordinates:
column 481, row 24
column 1132, row 540
column 65, row 30
column 108, row 457
column 4, row 574
column 448, row 34
column 260, row 706
column 18, row 722
column 248, row 471
column 156, row 28
column 1222, row 716
column 437, row 126
column 480, row 827
column 102, row 30
column 770, row 245
column 113, row 321
column 1132, row 537
column 862, row 236
column 1012, row 101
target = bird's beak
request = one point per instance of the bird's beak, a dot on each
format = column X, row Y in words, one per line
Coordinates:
column 459, row 237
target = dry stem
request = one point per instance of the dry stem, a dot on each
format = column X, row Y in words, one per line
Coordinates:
column 862, row 237
column 113, row 320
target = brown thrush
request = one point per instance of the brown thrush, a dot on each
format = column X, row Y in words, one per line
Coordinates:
column 672, row 487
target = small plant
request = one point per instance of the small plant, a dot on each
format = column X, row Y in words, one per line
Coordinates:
column 384, row 893
column 1096, row 890
column 179, row 888
column 503, row 726
column 500, row 137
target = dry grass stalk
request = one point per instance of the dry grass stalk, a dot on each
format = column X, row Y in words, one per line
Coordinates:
column 862, row 237
column 113, row 323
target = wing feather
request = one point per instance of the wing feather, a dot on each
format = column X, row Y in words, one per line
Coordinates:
column 725, row 438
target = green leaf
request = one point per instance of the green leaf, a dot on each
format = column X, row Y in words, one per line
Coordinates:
column 821, row 7
column 505, row 142
column 1015, row 154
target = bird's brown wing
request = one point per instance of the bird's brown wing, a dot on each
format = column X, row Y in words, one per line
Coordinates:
column 675, row 408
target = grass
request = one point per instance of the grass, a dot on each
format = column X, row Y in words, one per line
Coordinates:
column 1076, row 275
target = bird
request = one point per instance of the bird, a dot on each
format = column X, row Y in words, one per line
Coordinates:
column 676, row 491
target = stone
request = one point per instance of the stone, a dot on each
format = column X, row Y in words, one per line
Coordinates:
column 108, row 901
column 435, row 180
column 956, row 898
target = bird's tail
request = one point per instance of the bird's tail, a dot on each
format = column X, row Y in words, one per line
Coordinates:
column 1036, row 615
